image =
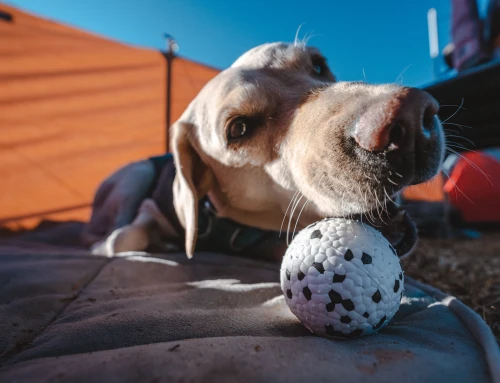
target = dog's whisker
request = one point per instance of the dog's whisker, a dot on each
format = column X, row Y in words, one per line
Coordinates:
column 296, row 40
column 370, row 178
column 463, row 148
column 288, row 208
column 401, row 75
column 458, row 146
column 382, row 208
column 456, row 186
column 304, row 206
column 452, row 105
column 399, row 175
column 462, row 138
column 459, row 125
column 453, row 130
column 308, row 37
column 388, row 198
column 297, row 222
column 471, row 163
column 456, row 111
column 377, row 202
column 291, row 217
column 392, row 182
column 369, row 214
column 372, row 210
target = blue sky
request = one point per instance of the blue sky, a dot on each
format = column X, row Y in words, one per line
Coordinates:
column 381, row 38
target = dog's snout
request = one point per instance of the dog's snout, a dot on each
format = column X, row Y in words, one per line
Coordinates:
column 396, row 121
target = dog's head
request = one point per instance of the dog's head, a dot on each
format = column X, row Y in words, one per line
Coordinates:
column 277, row 122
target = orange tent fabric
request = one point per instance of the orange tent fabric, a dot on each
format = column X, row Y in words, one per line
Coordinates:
column 73, row 108
column 430, row 191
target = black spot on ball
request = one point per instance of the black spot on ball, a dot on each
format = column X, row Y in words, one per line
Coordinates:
column 400, row 276
column 307, row 293
column 316, row 234
column 347, row 304
column 345, row 319
column 300, row 275
column 330, row 331
column 289, row 294
column 288, row 274
column 330, row 307
column 366, row 315
column 379, row 324
column 338, row 278
column 335, row 297
column 396, row 285
column 348, row 255
column 366, row 259
column 355, row 333
column 339, row 334
column 319, row 266
column 377, row 297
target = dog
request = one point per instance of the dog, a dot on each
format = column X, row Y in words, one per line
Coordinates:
column 274, row 139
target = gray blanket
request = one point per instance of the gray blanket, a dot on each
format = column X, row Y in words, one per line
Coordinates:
column 66, row 316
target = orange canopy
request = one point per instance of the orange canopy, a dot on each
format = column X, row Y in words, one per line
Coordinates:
column 73, row 108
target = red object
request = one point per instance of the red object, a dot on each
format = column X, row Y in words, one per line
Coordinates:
column 474, row 194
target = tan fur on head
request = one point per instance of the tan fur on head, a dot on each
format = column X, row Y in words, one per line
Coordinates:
column 301, row 122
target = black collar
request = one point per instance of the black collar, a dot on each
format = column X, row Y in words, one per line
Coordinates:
column 214, row 232
column 223, row 234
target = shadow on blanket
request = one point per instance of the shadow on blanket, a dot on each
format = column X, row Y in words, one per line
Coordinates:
column 66, row 315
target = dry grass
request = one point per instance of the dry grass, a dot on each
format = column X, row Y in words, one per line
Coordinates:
column 467, row 269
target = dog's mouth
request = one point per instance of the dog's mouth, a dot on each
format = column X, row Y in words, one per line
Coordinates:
column 395, row 225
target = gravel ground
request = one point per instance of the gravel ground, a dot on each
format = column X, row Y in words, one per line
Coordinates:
column 467, row 269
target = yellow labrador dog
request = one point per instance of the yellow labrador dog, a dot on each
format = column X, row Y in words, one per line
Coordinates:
column 274, row 136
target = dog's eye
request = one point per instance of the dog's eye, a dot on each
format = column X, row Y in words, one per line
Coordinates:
column 237, row 129
column 318, row 69
column 241, row 127
column 319, row 66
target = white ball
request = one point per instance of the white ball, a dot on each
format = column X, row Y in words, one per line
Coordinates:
column 342, row 278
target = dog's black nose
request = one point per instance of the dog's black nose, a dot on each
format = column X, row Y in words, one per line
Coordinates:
column 397, row 121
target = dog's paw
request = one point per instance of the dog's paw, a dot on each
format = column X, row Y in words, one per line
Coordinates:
column 124, row 240
column 101, row 248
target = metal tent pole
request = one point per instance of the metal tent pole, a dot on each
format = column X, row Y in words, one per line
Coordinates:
column 169, row 55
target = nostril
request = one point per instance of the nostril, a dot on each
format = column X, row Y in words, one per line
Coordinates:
column 428, row 119
column 396, row 136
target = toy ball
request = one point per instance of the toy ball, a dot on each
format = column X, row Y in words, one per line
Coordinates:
column 342, row 278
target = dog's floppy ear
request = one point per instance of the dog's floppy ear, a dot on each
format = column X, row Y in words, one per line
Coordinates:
column 192, row 181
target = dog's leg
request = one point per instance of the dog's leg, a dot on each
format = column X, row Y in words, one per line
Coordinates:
column 132, row 237
column 139, row 234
